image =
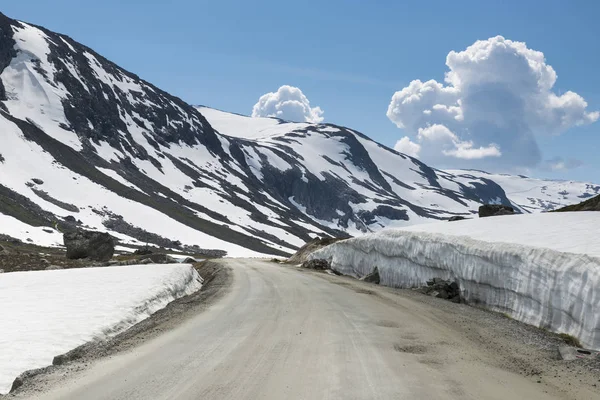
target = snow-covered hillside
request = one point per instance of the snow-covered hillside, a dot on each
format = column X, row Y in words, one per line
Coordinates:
column 48, row 313
column 542, row 269
column 86, row 143
column 535, row 195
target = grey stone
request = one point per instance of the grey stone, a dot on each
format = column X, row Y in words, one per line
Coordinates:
column 373, row 277
column 316, row 264
column 491, row 210
column 97, row 246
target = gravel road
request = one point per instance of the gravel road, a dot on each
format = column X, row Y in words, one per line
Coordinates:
column 285, row 333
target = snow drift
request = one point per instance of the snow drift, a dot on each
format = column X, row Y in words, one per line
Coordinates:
column 47, row 313
column 541, row 269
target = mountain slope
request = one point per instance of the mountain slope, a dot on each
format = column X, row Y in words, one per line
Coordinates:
column 592, row 204
column 86, row 143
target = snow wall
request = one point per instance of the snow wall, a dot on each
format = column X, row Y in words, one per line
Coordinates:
column 554, row 290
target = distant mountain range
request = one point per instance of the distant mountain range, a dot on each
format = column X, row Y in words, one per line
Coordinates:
column 86, row 143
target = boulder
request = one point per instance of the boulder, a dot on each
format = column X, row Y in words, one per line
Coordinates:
column 71, row 219
column 373, row 277
column 97, row 246
column 316, row 264
column 443, row 289
column 144, row 251
column 492, row 210
column 189, row 260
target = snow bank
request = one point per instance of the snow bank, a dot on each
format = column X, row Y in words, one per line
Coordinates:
column 542, row 269
column 42, row 236
column 47, row 313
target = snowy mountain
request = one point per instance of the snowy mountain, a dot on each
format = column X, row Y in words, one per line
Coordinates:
column 531, row 195
column 86, row 143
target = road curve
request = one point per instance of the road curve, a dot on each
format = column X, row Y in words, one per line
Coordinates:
column 285, row 334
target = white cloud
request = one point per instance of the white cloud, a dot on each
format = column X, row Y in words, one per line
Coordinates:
column 436, row 133
column 446, row 141
column 288, row 103
column 465, row 151
column 406, row 146
column 496, row 99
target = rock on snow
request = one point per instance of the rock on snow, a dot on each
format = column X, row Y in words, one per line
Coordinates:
column 542, row 269
column 47, row 313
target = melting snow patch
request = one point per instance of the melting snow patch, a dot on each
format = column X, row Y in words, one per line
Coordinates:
column 542, row 269
column 48, row 313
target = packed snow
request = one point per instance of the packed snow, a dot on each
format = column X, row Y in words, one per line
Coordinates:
column 48, row 313
column 42, row 236
column 247, row 127
column 542, row 269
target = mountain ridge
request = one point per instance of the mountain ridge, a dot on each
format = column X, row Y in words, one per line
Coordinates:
column 115, row 153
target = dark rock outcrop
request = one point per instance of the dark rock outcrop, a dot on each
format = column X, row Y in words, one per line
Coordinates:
column 492, row 210
column 373, row 277
column 443, row 289
column 97, row 246
column 316, row 264
column 143, row 251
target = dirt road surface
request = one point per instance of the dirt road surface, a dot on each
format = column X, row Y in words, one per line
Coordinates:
column 283, row 333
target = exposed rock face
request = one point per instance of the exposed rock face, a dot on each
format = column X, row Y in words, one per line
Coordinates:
column 440, row 288
column 373, row 277
column 492, row 210
column 97, row 246
column 316, row 264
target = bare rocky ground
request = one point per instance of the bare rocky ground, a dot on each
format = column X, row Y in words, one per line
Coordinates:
column 521, row 348
column 19, row 256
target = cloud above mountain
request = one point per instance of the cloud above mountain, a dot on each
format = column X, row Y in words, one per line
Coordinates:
column 496, row 100
column 288, row 103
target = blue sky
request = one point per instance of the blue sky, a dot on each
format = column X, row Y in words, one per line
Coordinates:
column 347, row 57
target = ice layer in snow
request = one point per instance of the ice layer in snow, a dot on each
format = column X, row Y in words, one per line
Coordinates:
column 542, row 269
column 47, row 313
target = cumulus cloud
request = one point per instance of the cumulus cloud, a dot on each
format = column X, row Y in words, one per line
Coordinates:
column 406, row 146
column 288, row 103
column 496, row 100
